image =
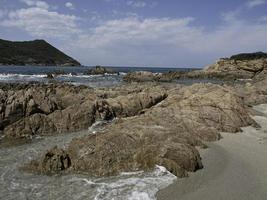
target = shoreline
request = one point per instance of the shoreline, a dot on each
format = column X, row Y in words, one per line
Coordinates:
column 234, row 168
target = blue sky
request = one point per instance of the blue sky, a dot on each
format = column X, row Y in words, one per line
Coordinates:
column 171, row 33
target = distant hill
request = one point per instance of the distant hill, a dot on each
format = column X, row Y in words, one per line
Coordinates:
column 37, row 52
column 249, row 56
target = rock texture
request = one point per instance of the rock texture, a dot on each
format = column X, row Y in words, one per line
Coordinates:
column 178, row 120
column 237, row 69
column 36, row 109
column 27, row 110
column 253, row 93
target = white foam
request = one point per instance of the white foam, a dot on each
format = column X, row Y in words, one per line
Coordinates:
column 130, row 173
column 135, row 186
column 261, row 108
column 10, row 77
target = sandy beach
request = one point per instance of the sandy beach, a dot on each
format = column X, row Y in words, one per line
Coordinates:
column 234, row 168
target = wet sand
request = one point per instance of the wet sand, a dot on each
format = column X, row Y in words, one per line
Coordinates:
column 234, row 168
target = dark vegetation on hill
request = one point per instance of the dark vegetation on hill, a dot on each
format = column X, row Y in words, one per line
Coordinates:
column 37, row 52
column 249, row 56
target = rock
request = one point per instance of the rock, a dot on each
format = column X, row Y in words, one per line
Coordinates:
column 238, row 69
column 130, row 105
column 253, row 93
column 37, row 124
column 241, row 66
column 141, row 76
column 74, row 118
column 54, row 161
column 36, row 109
column 166, row 134
column 49, row 75
column 98, row 70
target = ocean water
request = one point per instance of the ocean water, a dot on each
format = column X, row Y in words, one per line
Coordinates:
column 15, row 184
column 11, row 74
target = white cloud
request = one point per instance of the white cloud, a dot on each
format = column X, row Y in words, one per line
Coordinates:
column 165, row 41
column 36, row 3
column 136, row 31
column 136, row 4
column 254, row 3
column 40, row 22
column 69, row 5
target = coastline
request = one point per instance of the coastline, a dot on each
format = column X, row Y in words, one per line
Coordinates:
column 234, row 168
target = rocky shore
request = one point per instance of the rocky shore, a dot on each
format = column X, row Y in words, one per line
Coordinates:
column 241, row 66
column 153, row 124
column 149, row 123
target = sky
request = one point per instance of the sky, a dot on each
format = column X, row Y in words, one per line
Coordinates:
column 149, row 33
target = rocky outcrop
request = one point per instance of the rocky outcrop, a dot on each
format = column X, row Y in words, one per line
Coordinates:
column 28, row 110
column 98, row 70
column 253, row 93
column 141, row 76
column 241, row 66
column 238, row 69
column 129, row 105
column 166, row 134
column 46, row 109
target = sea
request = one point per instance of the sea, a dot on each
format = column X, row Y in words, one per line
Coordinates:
column 74, row 75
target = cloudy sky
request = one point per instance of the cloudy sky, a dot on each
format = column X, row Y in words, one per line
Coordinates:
column 171, row 33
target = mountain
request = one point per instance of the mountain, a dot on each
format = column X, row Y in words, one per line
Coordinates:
column 37, row 52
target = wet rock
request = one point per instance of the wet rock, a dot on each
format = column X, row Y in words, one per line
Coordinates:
column 53, row 161
column 99, row 70
column 49, row 75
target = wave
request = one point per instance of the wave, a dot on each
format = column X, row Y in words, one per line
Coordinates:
column 136, row 186
column 129, row 185
column 9, row 75
column 107, row 80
